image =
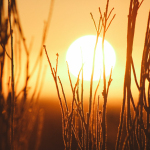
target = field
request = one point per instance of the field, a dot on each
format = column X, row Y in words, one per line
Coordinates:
column 73, row 119
column 52, row 130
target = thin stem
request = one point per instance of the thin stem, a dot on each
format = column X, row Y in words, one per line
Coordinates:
column 12, row 81
column 91, row 88
column 55, row 79
column 135, row 78
column 104, row 81
column 63, row 94
column 69, row 77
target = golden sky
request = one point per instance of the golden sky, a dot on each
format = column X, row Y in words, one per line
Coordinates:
column 70, row 20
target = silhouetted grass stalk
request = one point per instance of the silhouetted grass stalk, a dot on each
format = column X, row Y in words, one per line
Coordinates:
column 71, row 119
column 18, row 112
column 136, row 133
column 12, row 80
column 127, row 81
column 91, row 89
column 93, row 126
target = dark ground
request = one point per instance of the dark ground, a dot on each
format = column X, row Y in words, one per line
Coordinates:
column 52, row 131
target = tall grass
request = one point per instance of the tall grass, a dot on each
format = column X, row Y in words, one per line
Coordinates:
column 19, row 112
column 84, row 130
column 90, row 129
column 84, row 126
column 137, row 131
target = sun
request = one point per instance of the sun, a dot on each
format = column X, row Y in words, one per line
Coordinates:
column 81, row 51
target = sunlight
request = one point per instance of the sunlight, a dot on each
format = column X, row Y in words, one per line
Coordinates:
column 81, row 52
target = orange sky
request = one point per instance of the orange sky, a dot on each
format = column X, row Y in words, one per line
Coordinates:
column 70, row 20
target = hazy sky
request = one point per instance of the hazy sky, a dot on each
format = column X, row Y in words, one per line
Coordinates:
column 70, row 20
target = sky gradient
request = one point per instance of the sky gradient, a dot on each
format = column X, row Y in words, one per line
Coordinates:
column 70, row 20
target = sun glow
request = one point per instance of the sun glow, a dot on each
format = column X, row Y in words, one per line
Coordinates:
column 81, row 51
